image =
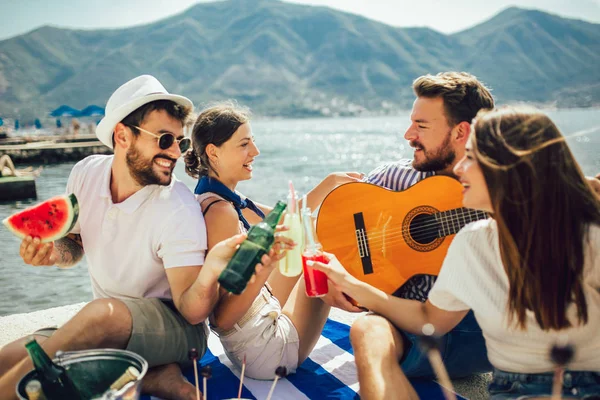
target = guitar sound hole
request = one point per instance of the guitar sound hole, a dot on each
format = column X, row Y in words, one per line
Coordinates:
column 424, row 229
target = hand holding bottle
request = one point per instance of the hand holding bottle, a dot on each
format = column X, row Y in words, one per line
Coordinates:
column 218, row 257
column 278, row 253
column 241, row 267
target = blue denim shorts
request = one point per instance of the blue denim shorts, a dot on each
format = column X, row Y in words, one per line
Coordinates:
column 463, row 351
column 576, row 385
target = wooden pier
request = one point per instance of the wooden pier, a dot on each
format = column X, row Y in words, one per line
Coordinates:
column 51, row 149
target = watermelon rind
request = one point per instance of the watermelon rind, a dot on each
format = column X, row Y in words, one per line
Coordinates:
column 75, row 212
column 72, row 215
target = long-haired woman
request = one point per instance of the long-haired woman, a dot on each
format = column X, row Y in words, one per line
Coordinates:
column 530, row 273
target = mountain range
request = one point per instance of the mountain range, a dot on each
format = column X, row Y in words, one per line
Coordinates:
column 283, row 59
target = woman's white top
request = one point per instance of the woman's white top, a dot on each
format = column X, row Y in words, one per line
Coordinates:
column 473, row 277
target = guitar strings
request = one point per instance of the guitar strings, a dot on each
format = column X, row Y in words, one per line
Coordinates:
column 432, row 227
column 392, row 240
column 450, row 219
column 389, row 238
column 428, row 230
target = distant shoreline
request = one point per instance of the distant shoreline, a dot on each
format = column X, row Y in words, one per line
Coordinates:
column 9, row 121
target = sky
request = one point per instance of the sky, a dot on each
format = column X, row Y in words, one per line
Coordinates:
column 447, row 16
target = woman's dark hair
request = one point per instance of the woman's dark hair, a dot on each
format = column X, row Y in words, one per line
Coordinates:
column 543, row 206
column 215, row 125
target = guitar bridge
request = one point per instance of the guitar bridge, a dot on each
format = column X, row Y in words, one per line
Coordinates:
column 362, row 242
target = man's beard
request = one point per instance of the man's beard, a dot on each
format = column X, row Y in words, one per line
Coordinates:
column 142, row 169
column 437, row 160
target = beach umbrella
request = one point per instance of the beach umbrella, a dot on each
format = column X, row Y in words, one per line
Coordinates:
column 65, row 111
column 92, row 111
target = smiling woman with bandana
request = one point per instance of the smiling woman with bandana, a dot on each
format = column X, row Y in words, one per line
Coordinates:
column 272, row 323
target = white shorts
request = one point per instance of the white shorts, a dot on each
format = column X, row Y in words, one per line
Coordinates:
column 267, row 337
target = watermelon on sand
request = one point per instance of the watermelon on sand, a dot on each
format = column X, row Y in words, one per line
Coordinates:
column 49, row 221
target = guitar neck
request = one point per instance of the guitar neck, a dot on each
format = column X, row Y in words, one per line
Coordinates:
column 452, row 221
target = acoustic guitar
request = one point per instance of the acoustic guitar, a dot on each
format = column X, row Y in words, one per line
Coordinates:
column 384, row 237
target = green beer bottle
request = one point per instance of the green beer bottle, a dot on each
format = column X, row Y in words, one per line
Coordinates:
column 261, row 236
column 56, row 384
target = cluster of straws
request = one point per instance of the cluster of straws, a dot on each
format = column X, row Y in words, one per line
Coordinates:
column 206, row 372
column 561, row 354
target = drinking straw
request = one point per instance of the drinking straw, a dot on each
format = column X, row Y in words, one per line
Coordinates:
column 193, row 355
column 430, row 344
column 206, row 373
column 280, row 372
column 242, row 378
column 561, row 354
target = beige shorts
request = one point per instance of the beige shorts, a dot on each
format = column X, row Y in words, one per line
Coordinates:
column 159, row 334
column 267, row 338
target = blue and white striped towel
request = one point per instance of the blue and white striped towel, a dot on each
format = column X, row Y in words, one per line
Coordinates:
column 329, row 373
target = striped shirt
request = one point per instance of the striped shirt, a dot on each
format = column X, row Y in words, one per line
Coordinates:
column 398, row 176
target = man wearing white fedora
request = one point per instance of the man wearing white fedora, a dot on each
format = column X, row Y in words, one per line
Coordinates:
column 144, row 237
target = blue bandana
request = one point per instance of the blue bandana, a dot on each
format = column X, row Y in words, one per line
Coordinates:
column 206, row 185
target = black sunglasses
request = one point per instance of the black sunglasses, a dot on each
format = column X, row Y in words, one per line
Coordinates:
column 166, row 140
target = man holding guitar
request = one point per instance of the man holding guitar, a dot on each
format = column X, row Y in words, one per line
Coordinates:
column 440, row 125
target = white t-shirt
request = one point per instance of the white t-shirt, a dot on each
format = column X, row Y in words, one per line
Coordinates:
column 130, row 244
column 473, row 277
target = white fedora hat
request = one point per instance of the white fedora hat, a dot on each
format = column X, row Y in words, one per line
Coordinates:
column 128, row 98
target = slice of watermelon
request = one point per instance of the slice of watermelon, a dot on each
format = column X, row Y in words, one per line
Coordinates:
column 48, row 221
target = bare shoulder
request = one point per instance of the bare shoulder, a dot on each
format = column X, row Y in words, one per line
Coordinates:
column 219, row 209
column 221, row 222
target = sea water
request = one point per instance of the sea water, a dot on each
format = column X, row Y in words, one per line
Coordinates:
column 287, row 152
